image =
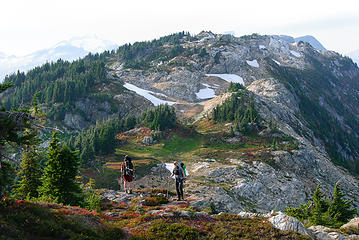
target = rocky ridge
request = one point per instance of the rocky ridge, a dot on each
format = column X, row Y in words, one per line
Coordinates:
column 293, row 176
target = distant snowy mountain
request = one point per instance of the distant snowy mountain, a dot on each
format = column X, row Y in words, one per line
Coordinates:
column 355, row 56
column 312, row 41
column 90, row 43
column 70, row 50
column 309, row 39
column 284, row 38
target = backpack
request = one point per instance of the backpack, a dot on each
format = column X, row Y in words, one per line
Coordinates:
column 127, row 169
column 183, row 168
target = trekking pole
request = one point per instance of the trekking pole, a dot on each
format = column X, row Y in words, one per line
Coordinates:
column 168, row 187
column 182, row 189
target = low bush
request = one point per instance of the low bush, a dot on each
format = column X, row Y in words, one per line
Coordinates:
column 155, row 200
column 27, row 220
column 161, row 230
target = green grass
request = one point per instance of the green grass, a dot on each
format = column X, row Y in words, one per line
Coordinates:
column 175, row 146
column 204, row 142
column 178, row 144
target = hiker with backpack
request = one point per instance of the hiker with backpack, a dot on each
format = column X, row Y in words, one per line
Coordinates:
column 179, row 176
column 127, row 171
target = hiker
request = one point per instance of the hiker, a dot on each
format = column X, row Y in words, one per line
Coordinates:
column 179, row 175
column 127, row 171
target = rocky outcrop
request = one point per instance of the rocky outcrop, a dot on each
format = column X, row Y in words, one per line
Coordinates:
column 285, row 222
column 324, row 233
column 353, row 223
column 246, row 186
column 75, row 121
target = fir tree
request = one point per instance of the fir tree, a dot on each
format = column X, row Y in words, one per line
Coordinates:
column 340, row 210
column 59, row 180
column 30, row 173
column 15, row 128
column 320, row 207
column 323, row 212
column 92, row 199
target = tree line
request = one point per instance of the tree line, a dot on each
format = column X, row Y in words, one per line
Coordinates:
column 57, row 180
column 140, row 54
column 239, row 109
column 59, row 81
column 100, row 139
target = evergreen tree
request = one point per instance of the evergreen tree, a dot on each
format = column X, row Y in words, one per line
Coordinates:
column 202, row 52
column 161, row 118
column 320, row 207
column 239, row 108
column 15, row 128
column 340, row 210
column 323, row 212
column 59, row 179
column 30, row 173
column 92, row 199
column 7, row 173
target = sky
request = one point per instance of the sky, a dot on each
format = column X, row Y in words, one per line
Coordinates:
column 27, row 26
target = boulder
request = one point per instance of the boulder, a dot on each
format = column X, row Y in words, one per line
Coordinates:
column 247, row 215
column 353, row 236
column 354, row 223
column 324, row 233
column 285, row 222
column 148, row 140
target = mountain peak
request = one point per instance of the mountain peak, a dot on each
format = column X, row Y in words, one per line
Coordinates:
column 307, row 38
column 90, row 43
column 69, row 50
column 312, row 41
column 354, row 55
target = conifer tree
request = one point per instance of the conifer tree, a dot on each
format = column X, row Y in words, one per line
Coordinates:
column 340, row 210
column 320, row 207
column 30, row 173
column 59, row 179
column 13, row 126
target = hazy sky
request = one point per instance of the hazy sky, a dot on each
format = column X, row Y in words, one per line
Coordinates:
column 29, row 25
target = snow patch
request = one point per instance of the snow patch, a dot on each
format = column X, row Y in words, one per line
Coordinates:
column 253, row 63
column 262, row 47
column 210, row 86
column 148, row 95
column 228, row 77
column 294, row 53
column 206, row 93
column 276, row 62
